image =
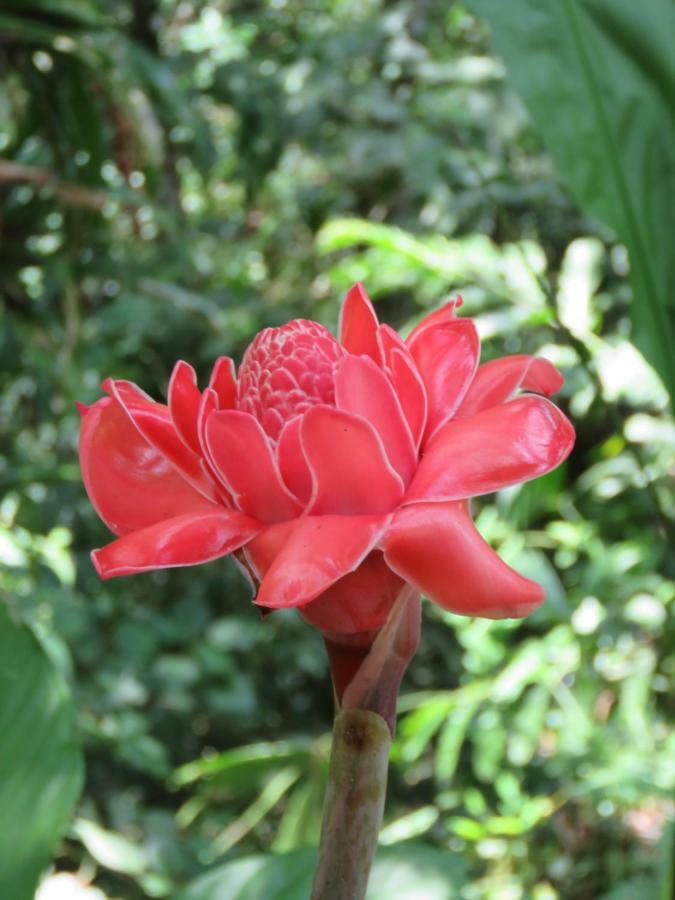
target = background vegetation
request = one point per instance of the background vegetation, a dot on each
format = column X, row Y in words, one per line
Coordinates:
column 175, row 176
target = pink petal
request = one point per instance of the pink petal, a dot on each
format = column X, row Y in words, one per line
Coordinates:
column 441, row 316
column 184, row 398
column 497, row 381
column 351, row 474
column 363, row 389
column 261, row 552
column 292, row 463
column 358, row 324
column 411, row 393
column 129, row 482
column 239, row 451
column 436, row 547
column 389, row 340
column 224, row 382
column 406, row 380
column 359, row 602
column 318, row 552
column 446, row 356
column 207, row 405
column 154, row 423
column 498, row 447
column 181, row 541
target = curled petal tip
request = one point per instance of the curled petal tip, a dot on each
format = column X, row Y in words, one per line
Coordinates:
column 100, row 571
column 82, row 408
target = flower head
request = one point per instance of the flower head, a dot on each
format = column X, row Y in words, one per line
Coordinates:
column 336, row 470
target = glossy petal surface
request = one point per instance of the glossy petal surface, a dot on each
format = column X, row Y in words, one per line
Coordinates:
column 224, row 383
column 130, row 483
column 363, row 389
column 240, row 453
column 497, row 381
column 261, row 552
column 154, row 422
column 443, row 316
column 359, row 602
column 181, row 541
column 446, row 356
column 436, row 547
column 406, row 381
column 358, row 324
column 318, row 551
column 351, row 474
column 499, row 447
column 184, row 398
column 292, row 463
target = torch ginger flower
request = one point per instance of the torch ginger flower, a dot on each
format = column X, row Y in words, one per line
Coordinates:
column 334, row 471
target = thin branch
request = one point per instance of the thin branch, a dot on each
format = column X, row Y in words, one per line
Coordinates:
column 39, row 177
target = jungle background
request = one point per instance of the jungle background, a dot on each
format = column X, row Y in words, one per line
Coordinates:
column 175, row 176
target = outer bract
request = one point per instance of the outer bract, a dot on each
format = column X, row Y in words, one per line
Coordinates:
column 336, row 469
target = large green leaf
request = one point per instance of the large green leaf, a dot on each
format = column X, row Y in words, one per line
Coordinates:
column 598, row 77
column 406, row 870
column 40, row 760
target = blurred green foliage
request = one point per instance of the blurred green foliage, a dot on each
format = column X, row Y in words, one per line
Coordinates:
column 175, row 176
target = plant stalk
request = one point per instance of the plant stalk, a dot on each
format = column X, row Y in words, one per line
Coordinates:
column 352, row 816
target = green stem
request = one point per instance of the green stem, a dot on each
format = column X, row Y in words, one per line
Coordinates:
column 357, row 783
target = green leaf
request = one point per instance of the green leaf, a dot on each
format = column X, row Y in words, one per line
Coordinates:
column 40, row 760
column 406, row 870
column 241, row 768
column 256, row 878
column 109, row 849
column 607, row 68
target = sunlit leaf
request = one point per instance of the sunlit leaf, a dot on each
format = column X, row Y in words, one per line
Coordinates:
column 607, row 69
column 40, row 760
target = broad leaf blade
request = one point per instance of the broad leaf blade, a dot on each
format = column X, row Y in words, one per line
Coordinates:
column 598, row 77
column 407, row 870
column 40, row 761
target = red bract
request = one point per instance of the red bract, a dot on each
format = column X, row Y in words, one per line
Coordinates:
column 334, row 470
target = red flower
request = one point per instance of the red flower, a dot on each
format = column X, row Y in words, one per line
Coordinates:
column 334, row 471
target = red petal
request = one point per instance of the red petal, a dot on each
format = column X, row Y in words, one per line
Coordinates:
column 436, row 547
column 129, row 482
column 497, row 381
column 224, row 382
column 184, row 398
column 358, row 324
column 241, row 455
column 291, row 460
column 318, row 552
column 446, row 356
column 351, row 474
column 207, row 405
column 406, row 380
column 261, row 552
column 181, row 541
column 359, row 602
column 363, row 389
column 153, row 421
column 388, row 341
column 499, row 447
column 441, row 316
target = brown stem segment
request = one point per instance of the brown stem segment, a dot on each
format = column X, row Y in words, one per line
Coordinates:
column 357, row 784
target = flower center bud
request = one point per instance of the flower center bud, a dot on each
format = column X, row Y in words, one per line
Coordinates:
column 285, row 371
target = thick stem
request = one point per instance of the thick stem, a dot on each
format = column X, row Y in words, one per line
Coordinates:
column 357, row 783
